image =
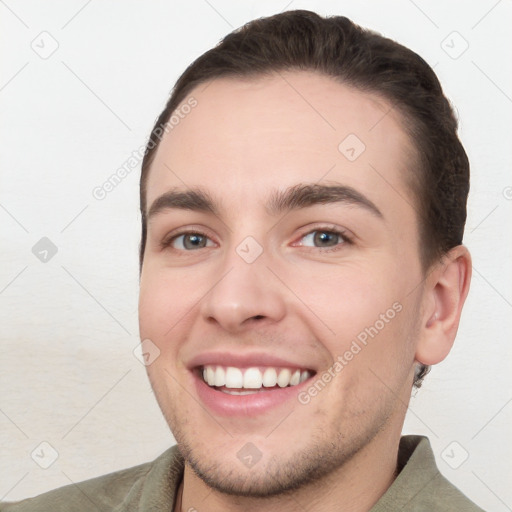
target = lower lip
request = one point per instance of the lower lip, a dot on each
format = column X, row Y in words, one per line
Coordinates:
column 254, row 404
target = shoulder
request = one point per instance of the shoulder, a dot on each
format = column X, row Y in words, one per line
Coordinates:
column 419, row 486
column 444, row 496
column 438, row 493
column 107, row 492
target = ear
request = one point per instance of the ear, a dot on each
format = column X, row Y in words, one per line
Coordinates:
column 445, row 292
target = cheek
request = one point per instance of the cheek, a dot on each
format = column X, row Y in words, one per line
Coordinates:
column 361, row 315
column 162, row 302
column 344, row 300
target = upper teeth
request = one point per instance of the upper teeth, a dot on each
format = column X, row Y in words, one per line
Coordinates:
column 253, row 378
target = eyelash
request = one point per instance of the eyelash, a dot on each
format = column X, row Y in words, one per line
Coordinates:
column 345, row 239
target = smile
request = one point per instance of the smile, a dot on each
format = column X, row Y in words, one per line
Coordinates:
column 244, row 381
column 248, row 385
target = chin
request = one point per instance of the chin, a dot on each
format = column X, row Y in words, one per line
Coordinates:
column 274, row 474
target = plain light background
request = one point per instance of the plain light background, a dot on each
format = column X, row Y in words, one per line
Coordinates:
column 68, row 326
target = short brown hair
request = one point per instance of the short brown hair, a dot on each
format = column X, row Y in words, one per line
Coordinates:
column 336, row 47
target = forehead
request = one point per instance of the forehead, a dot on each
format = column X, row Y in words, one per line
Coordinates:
column 253, row 135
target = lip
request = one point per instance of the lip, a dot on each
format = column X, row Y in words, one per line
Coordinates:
column 223, row 404
column 245, row 360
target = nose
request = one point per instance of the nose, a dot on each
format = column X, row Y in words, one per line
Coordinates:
column 244, row 293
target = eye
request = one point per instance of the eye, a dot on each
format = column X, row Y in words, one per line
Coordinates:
column 189, row 241
column 324, row 238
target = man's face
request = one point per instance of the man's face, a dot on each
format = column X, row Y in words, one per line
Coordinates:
column 270, row 283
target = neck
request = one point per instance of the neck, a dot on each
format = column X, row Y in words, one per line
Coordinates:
column 354, row 487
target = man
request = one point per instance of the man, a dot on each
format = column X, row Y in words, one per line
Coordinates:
column 303, row 202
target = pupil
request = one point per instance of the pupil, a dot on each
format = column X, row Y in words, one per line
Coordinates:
column 323, row 237
column 194, row 241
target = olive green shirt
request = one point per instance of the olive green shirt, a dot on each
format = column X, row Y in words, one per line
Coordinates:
column 152, row 487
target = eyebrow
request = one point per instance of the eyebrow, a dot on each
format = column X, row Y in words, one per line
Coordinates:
column 196, row 199
column 293, row 198
column 306, row 195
